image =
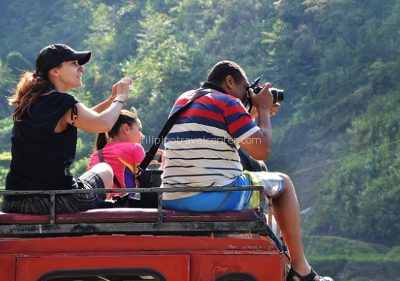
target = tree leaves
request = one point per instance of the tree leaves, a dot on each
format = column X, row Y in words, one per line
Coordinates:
column 337, row 133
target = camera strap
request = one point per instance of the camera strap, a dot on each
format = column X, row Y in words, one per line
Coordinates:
column 210, row 85
column 167, row 127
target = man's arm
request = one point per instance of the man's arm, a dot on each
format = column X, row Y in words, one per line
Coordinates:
column 258, row 145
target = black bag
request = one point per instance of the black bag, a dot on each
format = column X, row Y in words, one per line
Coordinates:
column 146, row 179
column 149, row 178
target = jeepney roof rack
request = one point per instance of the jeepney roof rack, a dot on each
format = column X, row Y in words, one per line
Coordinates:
column 138, row 220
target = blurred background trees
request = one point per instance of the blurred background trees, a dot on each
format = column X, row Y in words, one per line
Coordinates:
column 337, row 134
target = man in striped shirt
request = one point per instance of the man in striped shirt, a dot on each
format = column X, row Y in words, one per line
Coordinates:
column 201, row 150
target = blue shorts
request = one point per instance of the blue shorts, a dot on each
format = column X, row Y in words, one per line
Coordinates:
column 215, row 201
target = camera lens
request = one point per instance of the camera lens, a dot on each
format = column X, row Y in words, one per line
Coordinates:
column 277, row 94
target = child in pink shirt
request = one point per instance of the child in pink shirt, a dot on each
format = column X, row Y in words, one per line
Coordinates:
column 122, row 150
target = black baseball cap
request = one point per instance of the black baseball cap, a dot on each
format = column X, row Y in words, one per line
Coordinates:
column 53, row 55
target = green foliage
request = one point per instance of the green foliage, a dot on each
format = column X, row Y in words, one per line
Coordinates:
column 331, row 245
column 394, row 253
column 5, row 153
column 43, row 22
column 18, row 62
column 337, row 134
column 369, row 201
column 80, row 166
column 5, row 134
column 5, row 156
column 341, row 141
column 158, row 68
column 346, row 259
column 6, row 86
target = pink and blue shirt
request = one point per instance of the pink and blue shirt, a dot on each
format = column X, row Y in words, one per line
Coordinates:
column 123, row 157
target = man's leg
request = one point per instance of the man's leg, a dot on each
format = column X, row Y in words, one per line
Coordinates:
column 286, row 211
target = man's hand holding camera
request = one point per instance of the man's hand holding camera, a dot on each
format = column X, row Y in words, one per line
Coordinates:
column 264, row 100
column 255, row 89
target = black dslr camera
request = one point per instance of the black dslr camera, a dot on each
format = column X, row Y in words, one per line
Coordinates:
column 276, row 93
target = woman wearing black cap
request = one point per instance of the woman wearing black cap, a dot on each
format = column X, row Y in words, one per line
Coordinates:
column 44, row 135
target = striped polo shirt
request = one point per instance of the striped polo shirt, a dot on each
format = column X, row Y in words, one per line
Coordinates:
column 201, row 149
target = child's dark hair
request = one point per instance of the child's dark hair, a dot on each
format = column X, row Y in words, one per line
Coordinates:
column 125, row 117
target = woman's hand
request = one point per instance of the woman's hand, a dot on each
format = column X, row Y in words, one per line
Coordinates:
column 120, row 90
column 113, row 92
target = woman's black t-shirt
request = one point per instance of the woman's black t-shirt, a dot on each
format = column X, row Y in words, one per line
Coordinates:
column 41, row 158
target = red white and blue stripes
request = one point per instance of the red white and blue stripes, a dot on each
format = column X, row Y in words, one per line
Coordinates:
column 201, row 148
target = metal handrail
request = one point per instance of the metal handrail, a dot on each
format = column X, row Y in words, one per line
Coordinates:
column 159, row 190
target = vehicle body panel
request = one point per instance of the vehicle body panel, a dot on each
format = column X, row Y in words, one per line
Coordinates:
column 175, row 257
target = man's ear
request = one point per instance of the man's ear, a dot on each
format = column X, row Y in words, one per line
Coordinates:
column 229, row 81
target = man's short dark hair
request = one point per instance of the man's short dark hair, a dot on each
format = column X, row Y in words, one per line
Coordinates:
column 224, row 68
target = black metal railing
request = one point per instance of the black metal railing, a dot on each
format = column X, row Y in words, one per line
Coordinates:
column 53, row 193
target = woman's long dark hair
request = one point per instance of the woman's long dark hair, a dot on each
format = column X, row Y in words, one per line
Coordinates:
column 125, row 117
column 29, row 87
